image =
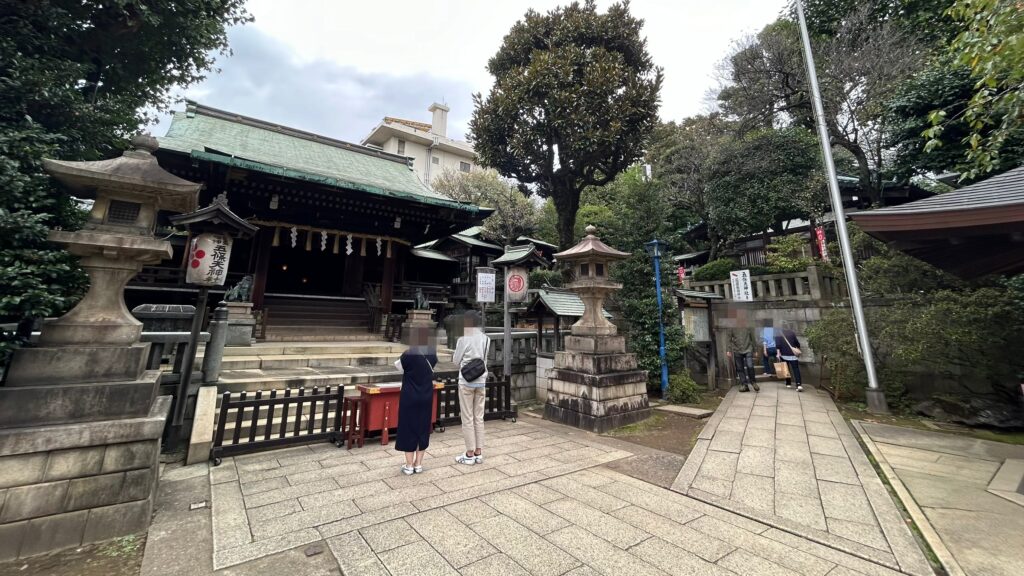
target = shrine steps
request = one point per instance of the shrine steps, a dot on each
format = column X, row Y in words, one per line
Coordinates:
column 304, row 319
column 307, row 333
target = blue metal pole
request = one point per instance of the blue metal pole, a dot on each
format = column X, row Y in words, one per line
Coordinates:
column 661, row 323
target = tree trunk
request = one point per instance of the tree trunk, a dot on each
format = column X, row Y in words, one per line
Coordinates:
column 567, row 203
column 713, row 241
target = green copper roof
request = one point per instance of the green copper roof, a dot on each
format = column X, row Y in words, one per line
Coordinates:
column 470, row 240
column 562, row 303
column 516, row 255
column 226, row 138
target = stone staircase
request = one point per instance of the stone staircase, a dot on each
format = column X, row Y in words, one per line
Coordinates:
column 312, row 320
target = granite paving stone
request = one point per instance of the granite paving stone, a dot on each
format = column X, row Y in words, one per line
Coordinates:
column 761, row 422
column 277, row 471
column 704, row 546
column 367, row 519
column 455, row 541
column 834, row 469
column 766, row 548
column 354, row 556
column 784, row 432
column 675, row 560
column 827, row 446
column 651, row 502
column 475, row 510
column 388, row 535
column 276, row 510
column 223, row 558
column 230, row 524
column 305, row 519
column 599, row 554
column 471, row 478
column 719, row 465
column 264, row 485
column 795, row 478
column 742, row 562
column 417, row 558
column 758, row 492
column 804, row 508
column 428, row 475
column 226, row 472
column 845, row 502
column 825, row 429
column 763, row 410
column 714, row 486
column 727, row 441
column 756, row 460
column 763, row 437
column 588, row 495
column 832, row 555
column 321, row 499
column 346, row 469
column 532, row 552
column 494, row 565
column 792, row 451
column 818, row 417
column 392, row 497
column 790, row 418
column 524, row 512
column 264, row 498
column 477, row 490
column 867, row 534
column 732, row 425
column 537, row 493
column 598, row 523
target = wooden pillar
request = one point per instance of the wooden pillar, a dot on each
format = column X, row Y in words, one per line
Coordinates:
column 262, row 246
column 558, row 333
column 540, row 329
column 387, row 285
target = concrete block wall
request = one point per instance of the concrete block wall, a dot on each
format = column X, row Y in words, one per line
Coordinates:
column 544, row 363
column 65, row 498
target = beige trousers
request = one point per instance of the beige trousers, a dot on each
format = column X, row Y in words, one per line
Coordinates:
column 471, row 406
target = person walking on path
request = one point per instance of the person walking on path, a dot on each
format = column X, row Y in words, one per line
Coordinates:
column 788, row 348
column 471, row 358
column 416, row 400
column 768, row 350
column 741, row 350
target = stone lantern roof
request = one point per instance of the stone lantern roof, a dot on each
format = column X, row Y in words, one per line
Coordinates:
column 591, row 248
column 136, row 172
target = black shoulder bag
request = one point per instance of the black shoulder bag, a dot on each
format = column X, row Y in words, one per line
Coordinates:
column 476, row 367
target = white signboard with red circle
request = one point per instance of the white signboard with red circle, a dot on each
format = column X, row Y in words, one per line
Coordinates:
column 516, row 284
column 208, row 260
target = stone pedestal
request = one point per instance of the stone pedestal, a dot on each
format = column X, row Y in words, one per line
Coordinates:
column 417, row 319
column 595, row 385
column 241, row 324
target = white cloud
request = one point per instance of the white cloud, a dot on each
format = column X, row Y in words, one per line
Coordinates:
column 338, row 67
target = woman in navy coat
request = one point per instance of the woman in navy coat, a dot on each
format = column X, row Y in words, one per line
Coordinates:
column 416, row 401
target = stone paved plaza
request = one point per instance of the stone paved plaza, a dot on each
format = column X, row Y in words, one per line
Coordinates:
column 789, row 459
column 545, row 503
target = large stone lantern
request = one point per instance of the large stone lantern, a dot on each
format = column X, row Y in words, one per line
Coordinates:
column 595, row 384
column 80, row 418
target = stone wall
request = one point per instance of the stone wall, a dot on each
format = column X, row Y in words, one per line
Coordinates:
column 545, row 362
column 64, row 486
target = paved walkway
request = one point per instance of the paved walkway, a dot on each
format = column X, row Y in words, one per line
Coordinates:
column 790, row 460
column 952, row 485
column 545, row 503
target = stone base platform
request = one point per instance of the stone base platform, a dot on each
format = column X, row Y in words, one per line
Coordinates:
column 592, row 423
column 45, row 365
column 69, row 403
column 63, row 486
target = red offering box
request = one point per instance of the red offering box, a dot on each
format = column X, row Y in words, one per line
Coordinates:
column 380, row 406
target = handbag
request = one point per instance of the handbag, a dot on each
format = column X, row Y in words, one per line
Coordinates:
column 781, row 369
column 796, row 350
column 476, row 367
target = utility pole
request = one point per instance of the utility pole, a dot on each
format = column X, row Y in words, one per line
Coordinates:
column 875, row 395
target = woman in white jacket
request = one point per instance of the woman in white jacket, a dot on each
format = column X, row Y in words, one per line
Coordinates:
column 472, row 394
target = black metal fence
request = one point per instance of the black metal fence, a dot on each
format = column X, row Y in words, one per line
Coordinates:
column 274, row 418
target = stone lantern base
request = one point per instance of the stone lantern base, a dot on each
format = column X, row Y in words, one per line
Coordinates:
column 417, row 319
column 241, row 324
column 596, row 386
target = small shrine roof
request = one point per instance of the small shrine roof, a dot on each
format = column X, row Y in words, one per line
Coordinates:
column 591, row 246
column 432, row 255
column 517, row 255
column 561, row 303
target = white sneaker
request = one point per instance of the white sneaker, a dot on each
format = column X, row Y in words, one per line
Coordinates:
column 418, row 469
column 407, row 470
column 479, row 458
column 799, row 388
column 788, row 386
column 467, row 460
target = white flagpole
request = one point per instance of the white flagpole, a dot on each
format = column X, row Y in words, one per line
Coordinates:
column 875, row 395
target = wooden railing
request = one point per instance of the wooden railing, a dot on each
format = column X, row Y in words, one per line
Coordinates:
column 497, row 405
column 811, row 284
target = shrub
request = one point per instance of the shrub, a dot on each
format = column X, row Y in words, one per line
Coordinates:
column 715, row 270
column 682, row 389
column 787, row 254
column 540, row 277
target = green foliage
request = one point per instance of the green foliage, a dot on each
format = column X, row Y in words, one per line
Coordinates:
column 788, row 254
column 765, row 178
column 514, row 215
column 891, row 272
column 682, row 389
column 991, row 45
column 541, row 277
column 75, row 77
column 574, row 98
column 921, row 17
column 547, row 223
column 715, row 270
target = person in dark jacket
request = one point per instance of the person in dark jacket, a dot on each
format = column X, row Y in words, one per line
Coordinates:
column 787, row 348
column 416, row 400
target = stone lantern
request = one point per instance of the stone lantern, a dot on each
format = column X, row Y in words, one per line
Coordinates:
column 80, row 418
column 595, row 384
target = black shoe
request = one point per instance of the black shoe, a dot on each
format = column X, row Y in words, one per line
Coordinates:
column 744, row 389
column 756, row 387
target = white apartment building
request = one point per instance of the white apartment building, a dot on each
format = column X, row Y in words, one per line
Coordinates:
column 427, row 144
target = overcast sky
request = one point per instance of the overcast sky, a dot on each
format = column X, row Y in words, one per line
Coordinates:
column 338, row 67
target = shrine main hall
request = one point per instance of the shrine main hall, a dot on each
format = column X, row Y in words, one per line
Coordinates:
column 338, row 225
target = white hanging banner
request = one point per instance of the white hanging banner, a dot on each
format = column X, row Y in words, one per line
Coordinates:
column 485, row 285
column 516, row 284
column 208, row 260
column 741, row 289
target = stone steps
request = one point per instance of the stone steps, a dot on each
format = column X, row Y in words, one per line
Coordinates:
column 270, row 362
